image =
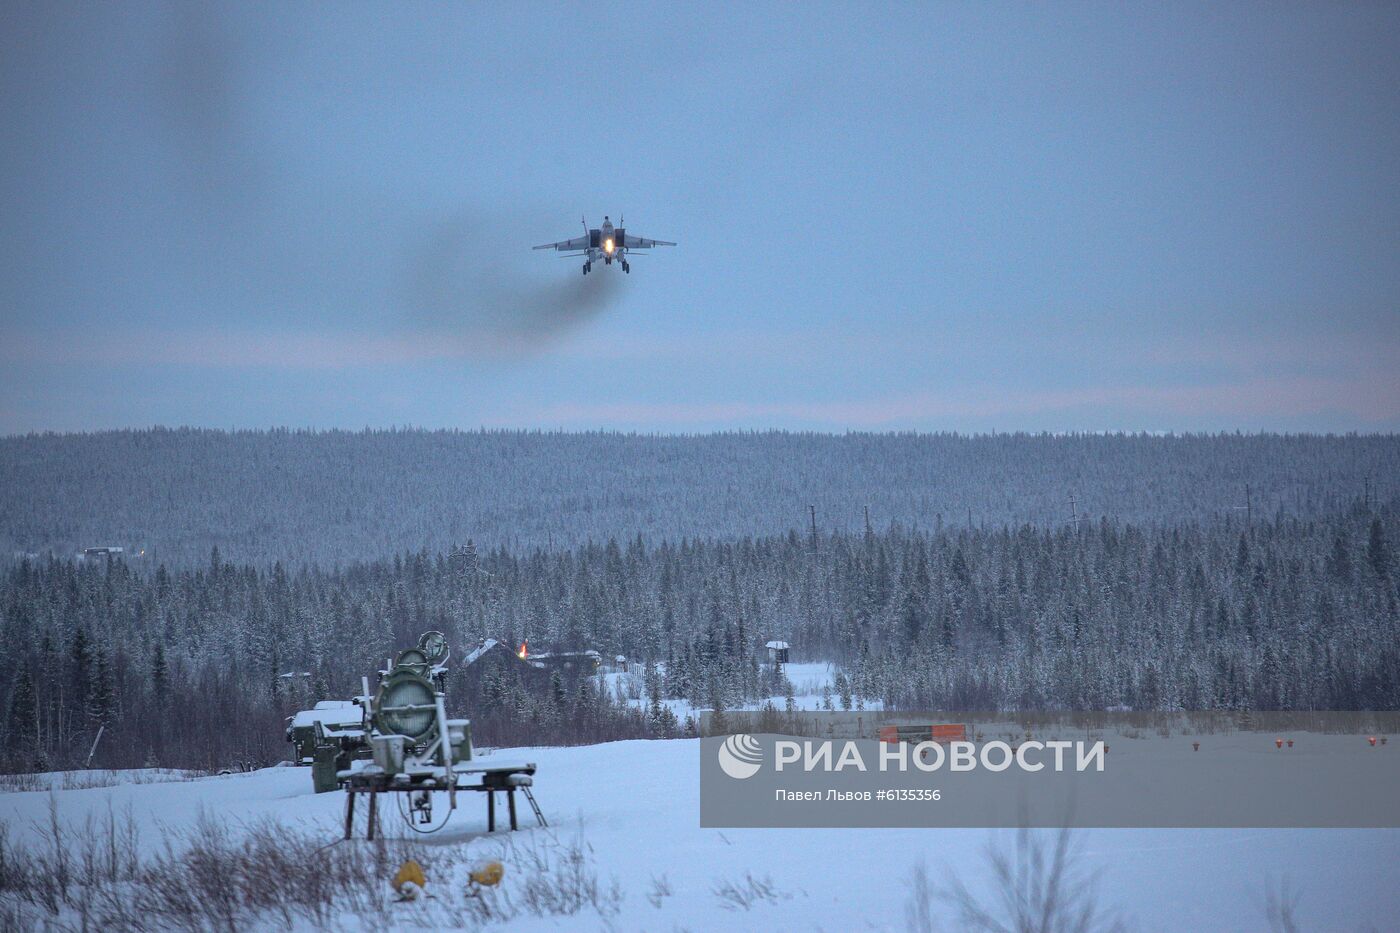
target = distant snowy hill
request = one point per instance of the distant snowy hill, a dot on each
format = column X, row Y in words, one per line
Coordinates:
column 334, row 497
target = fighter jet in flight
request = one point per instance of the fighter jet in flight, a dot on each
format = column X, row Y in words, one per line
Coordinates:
column 606, row 243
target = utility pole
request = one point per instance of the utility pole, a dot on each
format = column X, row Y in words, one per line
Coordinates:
column 93, row 751
column 867, row 521
column 813, row 509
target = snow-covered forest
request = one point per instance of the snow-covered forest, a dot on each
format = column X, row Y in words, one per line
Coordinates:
column 331, row 498
column 184, row 665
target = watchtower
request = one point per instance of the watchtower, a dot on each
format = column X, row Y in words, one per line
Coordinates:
column 778, row 655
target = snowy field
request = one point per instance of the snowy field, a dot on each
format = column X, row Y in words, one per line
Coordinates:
column 635, row 804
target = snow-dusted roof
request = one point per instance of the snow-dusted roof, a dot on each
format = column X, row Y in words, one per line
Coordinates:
column 484, row 647
column 347, row 715
column 590, row 653
column 777, row 644
column 335, row 704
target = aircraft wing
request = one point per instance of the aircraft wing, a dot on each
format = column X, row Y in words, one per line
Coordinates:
column 578, row 242
column 641, row 242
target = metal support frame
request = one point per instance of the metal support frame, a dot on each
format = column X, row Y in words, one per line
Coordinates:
column 371, row 814
column 539, row 816
column 506, row 780
column 510, row 807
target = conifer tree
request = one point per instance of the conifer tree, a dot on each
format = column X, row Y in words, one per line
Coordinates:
column 1377, row 550
column 101, row 705
column 23, row 712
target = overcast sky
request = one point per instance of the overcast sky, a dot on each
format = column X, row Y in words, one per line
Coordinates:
column 942, row 216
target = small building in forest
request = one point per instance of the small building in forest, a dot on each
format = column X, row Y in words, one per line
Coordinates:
column 572, row 663
column 777, row 655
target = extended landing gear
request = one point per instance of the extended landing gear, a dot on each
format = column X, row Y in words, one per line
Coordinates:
column 625, row 266
column 586, row 267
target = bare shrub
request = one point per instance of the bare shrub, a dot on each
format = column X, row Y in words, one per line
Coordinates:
column 1039, row 887
column 31, row 781
column 204, row 878
column 1281, row 907
column 562, row 880
column 918, row 910
column 216, row 881
column 744, row 893
column 18, row 917
column 660, row 890
column 108, row 850
column 67, row 870
column 14, row 867
column 22, row 782
column 55, row 864
column 214, row 876
column 547, row 878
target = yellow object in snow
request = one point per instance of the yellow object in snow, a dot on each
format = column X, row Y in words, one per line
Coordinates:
column 488, row 874
column 410, row 871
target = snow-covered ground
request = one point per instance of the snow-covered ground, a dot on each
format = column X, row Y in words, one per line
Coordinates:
column 637, row 805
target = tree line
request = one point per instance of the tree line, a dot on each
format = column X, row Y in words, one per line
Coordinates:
column 198, row 666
